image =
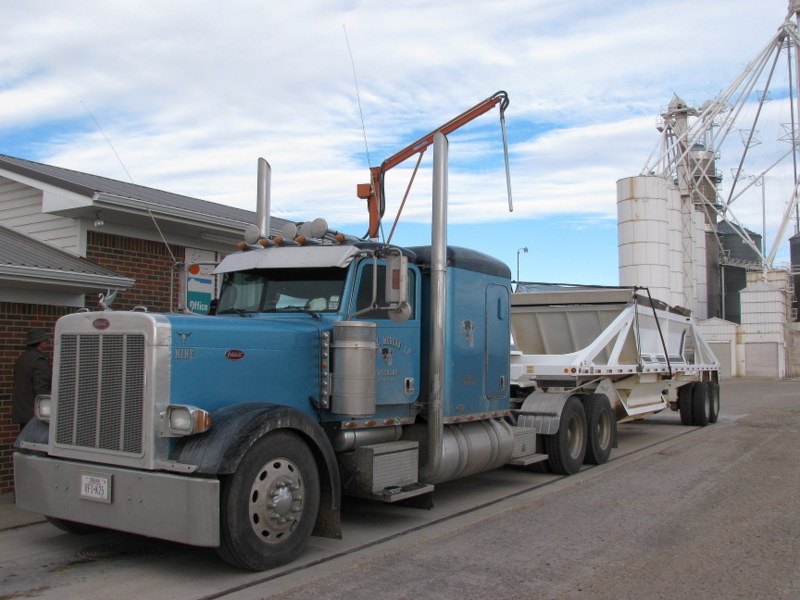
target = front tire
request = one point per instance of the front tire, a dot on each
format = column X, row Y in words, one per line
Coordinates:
column 567, row 447
column 269, row 505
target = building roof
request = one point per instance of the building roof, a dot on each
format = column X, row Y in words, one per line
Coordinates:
column 29, row 262
column 89, row 185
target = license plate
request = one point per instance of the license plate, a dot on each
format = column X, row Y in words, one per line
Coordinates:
column 96, row 486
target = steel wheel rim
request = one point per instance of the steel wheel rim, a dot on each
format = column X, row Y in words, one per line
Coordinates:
column 276, row 500
column 604, row 430
column 575, row 436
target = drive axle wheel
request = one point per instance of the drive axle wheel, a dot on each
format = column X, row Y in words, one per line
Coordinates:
column 601, row 424
column 567, row 447
column 270, row 504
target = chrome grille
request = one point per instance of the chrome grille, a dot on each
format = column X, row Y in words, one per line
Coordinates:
column 101, row 392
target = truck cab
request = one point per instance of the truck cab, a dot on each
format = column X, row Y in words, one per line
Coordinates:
column 308, row 381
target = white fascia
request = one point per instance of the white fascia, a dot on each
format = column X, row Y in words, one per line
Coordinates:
column 140, row 207
column 56, row 277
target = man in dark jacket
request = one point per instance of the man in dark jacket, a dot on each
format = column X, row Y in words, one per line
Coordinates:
column 32, row 376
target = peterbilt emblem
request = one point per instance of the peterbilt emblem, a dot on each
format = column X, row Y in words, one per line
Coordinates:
column 234, row 354
column 101, row 323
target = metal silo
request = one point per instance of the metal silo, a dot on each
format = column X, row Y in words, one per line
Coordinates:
column 643, row 234
column 675, row 247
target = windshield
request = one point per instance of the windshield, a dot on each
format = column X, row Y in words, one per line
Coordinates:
column 282, row 290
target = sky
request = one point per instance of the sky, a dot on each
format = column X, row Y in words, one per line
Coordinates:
column 184, row 96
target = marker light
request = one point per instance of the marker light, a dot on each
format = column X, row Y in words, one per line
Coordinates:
column 41, row 407
column 187, row 420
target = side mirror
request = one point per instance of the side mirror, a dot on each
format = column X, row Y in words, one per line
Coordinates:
column 396, row 291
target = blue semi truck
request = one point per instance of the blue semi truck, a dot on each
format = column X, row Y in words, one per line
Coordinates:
column 329, row 367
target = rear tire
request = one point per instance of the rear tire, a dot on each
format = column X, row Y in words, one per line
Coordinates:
column 270, row 505
column 685, row 404
column 713, row 401
column 700, row 404
column 600, row 429
column 567, row 447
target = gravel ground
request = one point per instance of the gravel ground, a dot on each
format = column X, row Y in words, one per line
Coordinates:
column 712, row 514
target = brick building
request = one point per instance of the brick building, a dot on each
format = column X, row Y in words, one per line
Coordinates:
column 67, row 237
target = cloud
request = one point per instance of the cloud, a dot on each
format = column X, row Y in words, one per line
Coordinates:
column 190, row 93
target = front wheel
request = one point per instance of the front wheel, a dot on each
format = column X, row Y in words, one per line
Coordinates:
column 270, row 504
column 567, row 447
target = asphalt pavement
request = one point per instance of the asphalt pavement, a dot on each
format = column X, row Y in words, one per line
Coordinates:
column 697, row 513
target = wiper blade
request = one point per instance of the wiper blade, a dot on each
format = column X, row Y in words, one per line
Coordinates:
column 239, row 311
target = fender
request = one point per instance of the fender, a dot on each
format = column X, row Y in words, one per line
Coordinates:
column 35, row 433
column 542, row 411
column 236, row 428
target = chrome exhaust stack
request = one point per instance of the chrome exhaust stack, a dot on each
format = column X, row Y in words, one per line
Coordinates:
column 260, row 230
column 263, row 198
column 438, row 308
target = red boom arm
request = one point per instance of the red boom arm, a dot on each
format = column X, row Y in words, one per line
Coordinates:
column 372, row 192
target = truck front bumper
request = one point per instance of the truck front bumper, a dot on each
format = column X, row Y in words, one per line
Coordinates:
column 159, row 505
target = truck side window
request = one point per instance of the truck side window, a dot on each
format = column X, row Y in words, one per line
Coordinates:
column 364, row 295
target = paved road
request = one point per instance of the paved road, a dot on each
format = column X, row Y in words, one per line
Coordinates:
column 680, row 512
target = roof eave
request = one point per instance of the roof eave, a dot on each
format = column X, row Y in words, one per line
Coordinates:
column 53, row 277
column 143, row 207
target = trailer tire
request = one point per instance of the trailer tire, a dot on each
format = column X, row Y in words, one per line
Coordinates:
column 269, row 505
column 73, row 526
column 567, row 447
column 713, row 401
column 701, row 406
column 600, row 426
column 685, row 404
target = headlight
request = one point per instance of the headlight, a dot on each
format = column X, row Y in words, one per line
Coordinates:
column 41, row 407
column 187, row 420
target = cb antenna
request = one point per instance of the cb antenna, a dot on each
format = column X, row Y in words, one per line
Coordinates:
column 358, row 95
column 124, row 168
column 108, row 141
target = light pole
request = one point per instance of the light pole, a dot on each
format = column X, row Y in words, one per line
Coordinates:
column 525, row 250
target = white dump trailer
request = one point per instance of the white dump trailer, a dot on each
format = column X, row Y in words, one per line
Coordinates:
column 616, row 354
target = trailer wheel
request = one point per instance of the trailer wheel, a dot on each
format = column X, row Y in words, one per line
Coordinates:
column 685, row 404
column 73, row 526
column 701, row 405
column 567, row 447
column 269, row 505
column 600, row 423
column 713, row 401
